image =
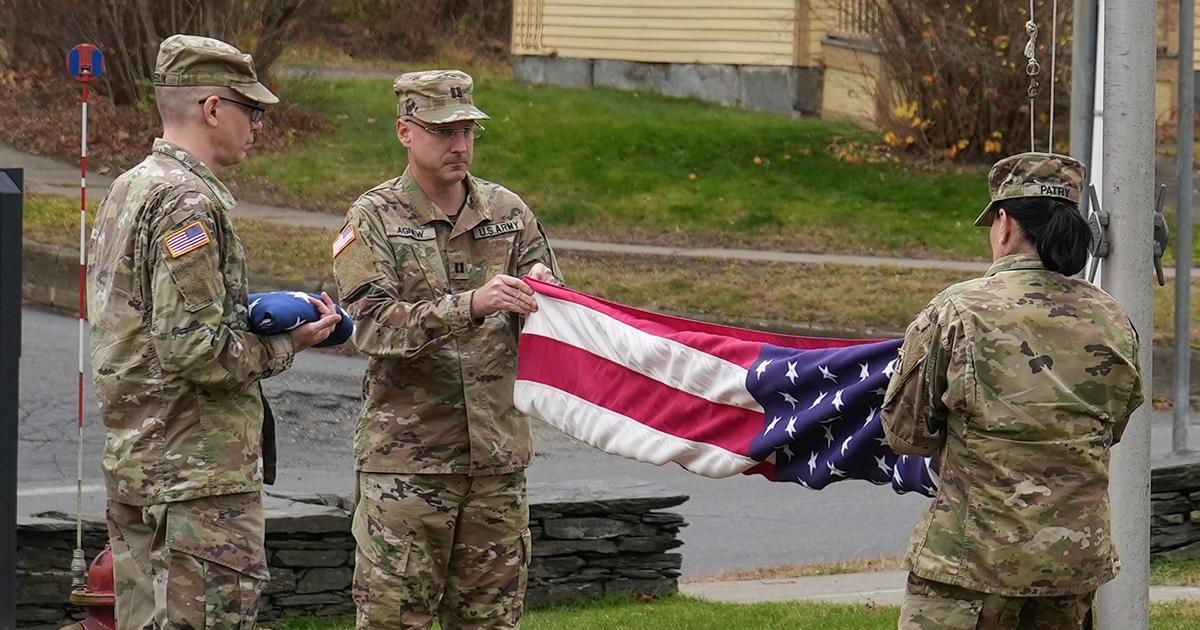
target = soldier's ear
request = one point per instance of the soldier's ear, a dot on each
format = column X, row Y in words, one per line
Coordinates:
column 1003, row 227
column 403, row 132
column 208, row 110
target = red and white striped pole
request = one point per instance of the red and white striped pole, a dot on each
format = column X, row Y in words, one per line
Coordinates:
column 86, row 63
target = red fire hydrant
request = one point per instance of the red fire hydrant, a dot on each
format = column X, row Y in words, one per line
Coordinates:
column 99, row 598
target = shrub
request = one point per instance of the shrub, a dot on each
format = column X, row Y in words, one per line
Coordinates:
column 957, row 85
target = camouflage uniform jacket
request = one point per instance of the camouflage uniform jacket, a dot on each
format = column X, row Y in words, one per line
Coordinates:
column 438, row 387
column 175, row 369
column 1018, row 383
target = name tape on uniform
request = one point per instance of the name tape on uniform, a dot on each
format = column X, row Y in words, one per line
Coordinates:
column 496, row 229
column 420, row 234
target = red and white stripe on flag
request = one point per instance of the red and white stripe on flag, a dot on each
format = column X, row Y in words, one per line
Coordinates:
column 642, row 385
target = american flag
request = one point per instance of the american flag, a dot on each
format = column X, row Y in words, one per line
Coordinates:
column 717, row 400
column 280, row 311
column 343, row 239
column 187, row 239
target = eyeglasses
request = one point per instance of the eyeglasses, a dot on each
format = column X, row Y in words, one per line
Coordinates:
column 256, row 112
column 451, row 133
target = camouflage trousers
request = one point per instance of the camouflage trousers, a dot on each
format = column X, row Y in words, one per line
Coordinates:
column 189, row 564
column 450, row 547
column 932, row 605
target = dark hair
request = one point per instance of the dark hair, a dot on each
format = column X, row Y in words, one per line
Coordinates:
column 1057, row 229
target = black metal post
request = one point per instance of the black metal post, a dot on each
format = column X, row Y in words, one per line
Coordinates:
column 11, row 209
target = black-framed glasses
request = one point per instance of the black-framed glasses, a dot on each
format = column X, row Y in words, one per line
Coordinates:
column 256, row 112
column 451, row 133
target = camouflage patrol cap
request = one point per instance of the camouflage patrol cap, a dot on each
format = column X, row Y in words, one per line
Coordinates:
column 436, row 96
column 190, row 60
column 1033, row 175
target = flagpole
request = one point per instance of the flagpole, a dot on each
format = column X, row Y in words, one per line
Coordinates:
column 85, row 63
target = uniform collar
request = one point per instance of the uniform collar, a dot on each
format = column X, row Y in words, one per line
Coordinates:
column 1014, row 262
column 197, row 167
column 425, row 211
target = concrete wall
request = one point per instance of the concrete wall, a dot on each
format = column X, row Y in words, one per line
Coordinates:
column 588, row 542
column 779, row 89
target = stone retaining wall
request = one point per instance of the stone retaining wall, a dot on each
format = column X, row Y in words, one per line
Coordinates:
column 1175, row 507
column 587, row 541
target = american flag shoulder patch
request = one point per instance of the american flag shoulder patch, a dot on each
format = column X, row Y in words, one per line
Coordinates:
column 189, row 238
column 343, row 239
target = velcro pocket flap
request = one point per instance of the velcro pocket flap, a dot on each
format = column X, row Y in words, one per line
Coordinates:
column 217, row 543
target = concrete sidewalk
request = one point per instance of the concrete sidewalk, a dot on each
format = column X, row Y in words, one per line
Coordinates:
column 884, row 588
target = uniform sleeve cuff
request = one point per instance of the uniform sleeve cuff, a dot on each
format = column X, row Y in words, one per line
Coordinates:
column 462, row 314
column 283, row 352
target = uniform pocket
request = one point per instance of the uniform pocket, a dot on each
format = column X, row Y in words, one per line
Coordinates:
column 217, row 570
column 218, row 543
column 382, row 546
column 197, row 275
column 523, row 575
column 918, row 342
column 929, row 604
column 920, row 611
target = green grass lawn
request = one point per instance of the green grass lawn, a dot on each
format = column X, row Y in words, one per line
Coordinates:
column 680, row 612
column 614, row 165
column 688, row 613
column 610, row 165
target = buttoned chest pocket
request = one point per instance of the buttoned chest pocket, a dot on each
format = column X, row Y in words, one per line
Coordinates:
column 494, row 250
column 417, row 262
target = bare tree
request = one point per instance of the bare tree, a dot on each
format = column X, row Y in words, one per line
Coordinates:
column 129, row 32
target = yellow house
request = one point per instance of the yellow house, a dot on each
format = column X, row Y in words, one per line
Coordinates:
column 798, row 57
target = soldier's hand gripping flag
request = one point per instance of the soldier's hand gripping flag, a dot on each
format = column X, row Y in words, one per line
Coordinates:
column 717, row 400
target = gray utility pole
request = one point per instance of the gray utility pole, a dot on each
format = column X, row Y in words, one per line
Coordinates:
column 1083, row 87
column 1128, row 197
column 1183, row 227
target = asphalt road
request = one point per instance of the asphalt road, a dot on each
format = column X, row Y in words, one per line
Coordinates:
column 736, row 523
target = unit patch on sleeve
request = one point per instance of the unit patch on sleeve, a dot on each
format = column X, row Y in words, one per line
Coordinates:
column 189, row 238
column 343, row 239
column 496, row 229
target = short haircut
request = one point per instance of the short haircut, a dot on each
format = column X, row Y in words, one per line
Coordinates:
column 178, row 105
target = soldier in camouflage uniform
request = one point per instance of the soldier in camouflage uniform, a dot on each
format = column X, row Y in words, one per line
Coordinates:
column 1018, row 384
column 176, row 369
column 429, row 267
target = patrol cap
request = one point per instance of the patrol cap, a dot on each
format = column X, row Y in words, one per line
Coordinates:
column 190, row 60
column 436, row 96
column 1033, row 175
